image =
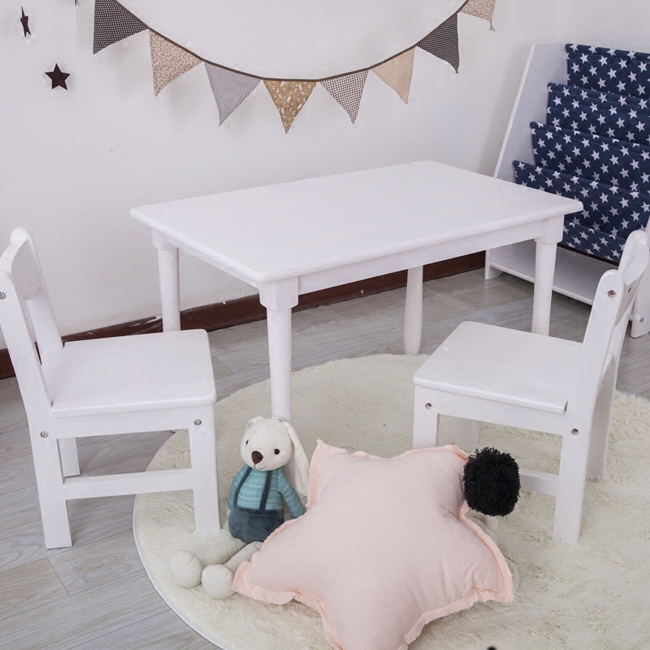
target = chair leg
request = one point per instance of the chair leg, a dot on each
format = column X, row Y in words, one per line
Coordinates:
column 600, row 426
column 69, row 457
column 49, row 481
column 571, row 487
column 425, row 420
column 204, row 468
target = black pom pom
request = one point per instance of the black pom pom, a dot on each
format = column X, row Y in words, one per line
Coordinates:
column 491, row 482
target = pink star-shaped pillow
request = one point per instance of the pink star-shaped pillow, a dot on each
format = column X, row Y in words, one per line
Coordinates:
column 384, row 547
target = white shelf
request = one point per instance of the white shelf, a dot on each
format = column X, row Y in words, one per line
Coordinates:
column 576, row 275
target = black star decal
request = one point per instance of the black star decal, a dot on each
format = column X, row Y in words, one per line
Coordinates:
column 25, row 21
column 58, row 77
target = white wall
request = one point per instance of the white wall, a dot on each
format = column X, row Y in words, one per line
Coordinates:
column 73, row 163
column 623, row 24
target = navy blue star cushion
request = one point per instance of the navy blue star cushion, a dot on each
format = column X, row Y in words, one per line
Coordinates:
column 610, row 213
column 613, row 116
column 615, row 71
column 585, row 94
column 595, row 157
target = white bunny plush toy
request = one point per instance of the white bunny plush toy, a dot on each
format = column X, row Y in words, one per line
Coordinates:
column 255, row 503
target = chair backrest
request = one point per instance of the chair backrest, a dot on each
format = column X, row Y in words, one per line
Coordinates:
column 610, row 314
column 26, row 318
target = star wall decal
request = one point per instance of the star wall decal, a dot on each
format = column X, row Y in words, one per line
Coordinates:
column 58, row 77
column 25, row 22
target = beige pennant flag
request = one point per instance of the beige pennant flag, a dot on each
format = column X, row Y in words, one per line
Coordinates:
column 289, row 98
column 397, row 73
column 168, row 61
column 481, row 9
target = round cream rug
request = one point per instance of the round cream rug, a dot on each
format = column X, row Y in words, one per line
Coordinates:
column 595, row 594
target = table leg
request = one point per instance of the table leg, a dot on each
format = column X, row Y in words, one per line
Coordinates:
column 279, row 332
column 278, row 323
column 543, row 292
column 413, row 311
column 169, row 283
column 280, row 298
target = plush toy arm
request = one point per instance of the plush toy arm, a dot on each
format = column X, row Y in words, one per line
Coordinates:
column 290, row 496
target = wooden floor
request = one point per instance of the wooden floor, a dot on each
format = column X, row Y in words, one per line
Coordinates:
column 96, row 595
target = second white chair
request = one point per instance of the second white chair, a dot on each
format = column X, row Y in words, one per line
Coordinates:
column 504, row 376
column 99, row 387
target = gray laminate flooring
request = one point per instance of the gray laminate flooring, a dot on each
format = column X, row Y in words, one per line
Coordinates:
column 96, row 595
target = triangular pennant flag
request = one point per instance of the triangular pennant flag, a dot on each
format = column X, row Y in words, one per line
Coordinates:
column 289, row 98
column 112, row 24
column 443, row 42
column 481, row 9
column 229, row 88
column 168, row 61
column 397, row 73
column 347, row 91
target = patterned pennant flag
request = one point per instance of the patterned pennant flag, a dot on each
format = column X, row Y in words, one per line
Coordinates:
column 168, row 61
column 229, row 88
column 443, row 42
column 113, row 23
column 397, row 73
column 481, row 9
column 347, row 91
column 289, row 98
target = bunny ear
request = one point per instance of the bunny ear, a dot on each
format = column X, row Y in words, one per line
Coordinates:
column 252, row 421
column 301, row 462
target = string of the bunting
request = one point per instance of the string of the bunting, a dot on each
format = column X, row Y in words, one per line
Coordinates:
column 113, row 23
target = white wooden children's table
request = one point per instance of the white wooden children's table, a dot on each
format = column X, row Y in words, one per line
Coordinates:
column 293, row 238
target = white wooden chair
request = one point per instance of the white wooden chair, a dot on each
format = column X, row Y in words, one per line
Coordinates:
column 129, row 384
column 494, row 374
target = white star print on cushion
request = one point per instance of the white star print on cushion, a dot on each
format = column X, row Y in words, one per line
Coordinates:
column 605, row 160
column 615, row 71
column 606, row 114
column 610, row 213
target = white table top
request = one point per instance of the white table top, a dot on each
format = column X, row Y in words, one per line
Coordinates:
column 291, row 229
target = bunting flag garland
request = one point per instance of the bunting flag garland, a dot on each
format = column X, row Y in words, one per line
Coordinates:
column 481, row 9
column 113, row 23
column 397, row 73
column 443, row 42
column 289, row 98
column 229, row 88
column 347, row 91
column 169, row 61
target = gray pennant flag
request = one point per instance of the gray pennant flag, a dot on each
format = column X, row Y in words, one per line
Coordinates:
column 347, row 91
column 113, row 23
column 443, row 42
column 229, row 88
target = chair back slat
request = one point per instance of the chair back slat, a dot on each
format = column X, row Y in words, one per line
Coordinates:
column 27, row 271
column 608, row 320
column 26, row 319
column 633, row 264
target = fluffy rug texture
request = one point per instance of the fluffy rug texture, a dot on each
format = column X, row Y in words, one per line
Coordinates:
column 595, row 594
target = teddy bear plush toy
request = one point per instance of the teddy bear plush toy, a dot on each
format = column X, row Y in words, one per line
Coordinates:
column 255, row 505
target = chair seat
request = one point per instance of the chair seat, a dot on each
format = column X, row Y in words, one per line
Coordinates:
column 130, row 373
column 503, row 365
